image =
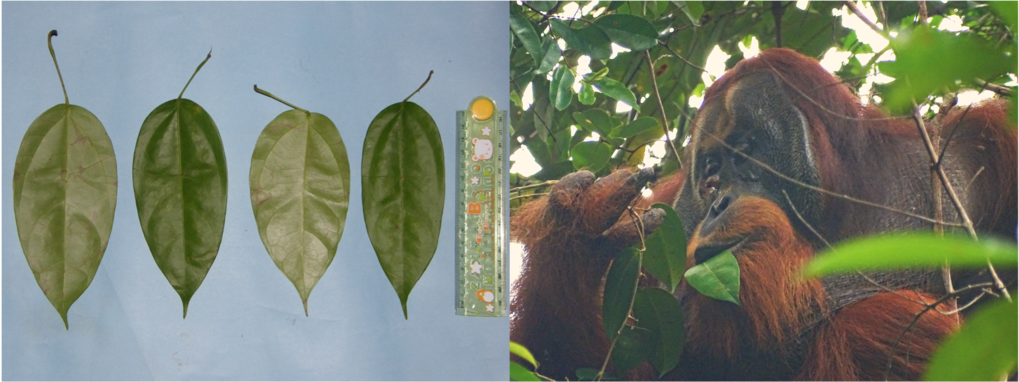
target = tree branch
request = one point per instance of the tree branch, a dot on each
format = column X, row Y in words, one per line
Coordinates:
column 665, row 119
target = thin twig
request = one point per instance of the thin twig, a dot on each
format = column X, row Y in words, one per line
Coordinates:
column 828, row 244
column 665, row 119
column 926, row 309
column 824, row 191
column 638, row 223
column 820, row 106
column 936, row 205
column 680, row 57
column 528, row 195
column 856, row 11
column 804, row 221
column 536, row 185
column 1000, row 90
column 973, row 179
column 967, row 223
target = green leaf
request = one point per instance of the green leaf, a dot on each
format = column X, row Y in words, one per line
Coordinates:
column 523, row 353
column 911, row 250
column 591, row 155
column 693, row 10
column 961, row 58
column 595, row 120
column 404, row 187
column 612, row 4
column 300, row 191
column 629, row 31
column 522, row 27
column 665, row 257
column 180, row 189
column 984, row 349
column 1007, row 11
column 65, row 194
column 631, row 348
column 561, row 90
column 592, row 78
column 617, row 90
column 638, row 126
column 590, row 40
column 619, row 285
column 520, row 373
column 586, row 95
column 658, row 311
column 717, row 278
column 543, row 6
column 551, row 56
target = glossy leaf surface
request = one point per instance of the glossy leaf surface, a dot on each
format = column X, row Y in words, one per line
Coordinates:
column 617, row 90
column 619, row 289
column 300, row 190
column 403, row 179
column 65, row 193
column 665, row 257
column 591, row 155
column 590, row 40
column 561, row 90
column 717, row 278
column 629, row 31
column 180, row 189
column 631, row 348
column 658, row 312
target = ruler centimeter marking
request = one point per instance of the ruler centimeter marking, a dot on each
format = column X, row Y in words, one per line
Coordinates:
column 482, row 236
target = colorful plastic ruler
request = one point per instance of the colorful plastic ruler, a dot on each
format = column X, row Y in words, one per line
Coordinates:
column 482, row 235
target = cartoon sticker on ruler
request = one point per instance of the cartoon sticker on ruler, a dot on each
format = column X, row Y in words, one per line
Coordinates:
column 482, row 149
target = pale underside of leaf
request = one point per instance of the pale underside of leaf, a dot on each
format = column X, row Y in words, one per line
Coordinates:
column 300, row 189
column 717, row 278
column 403, row 177
column 65, row 193
column 180, row 183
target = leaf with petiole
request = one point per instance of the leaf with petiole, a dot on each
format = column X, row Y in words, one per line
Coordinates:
column 300, row 190
column 65, row 193
column 180, row 188
column 404, row 187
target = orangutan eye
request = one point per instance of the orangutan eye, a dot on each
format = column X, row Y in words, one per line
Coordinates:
column 711, row 166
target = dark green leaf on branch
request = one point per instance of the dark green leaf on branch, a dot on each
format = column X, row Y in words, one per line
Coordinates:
column 665, row 257
column 629, row 31
column 658, row 312
column 619, row 289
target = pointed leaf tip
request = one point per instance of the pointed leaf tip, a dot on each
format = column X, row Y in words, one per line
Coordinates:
column 311, row 144
column 403, row 180
column 305, row 302
column 64, row 140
